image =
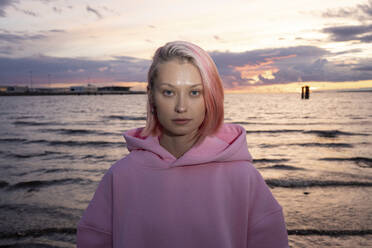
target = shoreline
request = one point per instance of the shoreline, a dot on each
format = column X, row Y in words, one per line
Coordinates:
column 72, row 93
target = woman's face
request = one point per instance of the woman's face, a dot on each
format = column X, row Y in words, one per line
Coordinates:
column 178, row 98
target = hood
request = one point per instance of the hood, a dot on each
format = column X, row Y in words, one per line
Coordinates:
column 227, row 145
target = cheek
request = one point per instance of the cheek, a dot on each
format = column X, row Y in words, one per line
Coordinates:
column 163, row 108
column 199, row 108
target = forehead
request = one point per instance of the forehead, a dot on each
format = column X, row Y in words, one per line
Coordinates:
column 177, row 72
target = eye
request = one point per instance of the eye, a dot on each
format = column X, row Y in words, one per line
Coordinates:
column 167, row 93
column 195, row 93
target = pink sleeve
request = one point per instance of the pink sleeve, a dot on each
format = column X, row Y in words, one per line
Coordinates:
column 266, row 228
column 269, row 232
column 95, row 227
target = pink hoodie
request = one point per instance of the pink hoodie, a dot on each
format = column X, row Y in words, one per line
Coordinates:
column 211, row 197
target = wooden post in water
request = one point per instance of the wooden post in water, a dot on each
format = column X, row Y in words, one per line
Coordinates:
column 305, row 93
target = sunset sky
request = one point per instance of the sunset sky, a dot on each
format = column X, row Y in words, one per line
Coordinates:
column 258, row 45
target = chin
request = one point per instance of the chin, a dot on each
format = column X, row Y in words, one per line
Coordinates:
column 179, row 131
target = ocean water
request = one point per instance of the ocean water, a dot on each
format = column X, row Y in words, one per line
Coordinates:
column 316, row 155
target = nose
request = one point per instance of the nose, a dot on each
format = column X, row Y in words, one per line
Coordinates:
column 181, row 105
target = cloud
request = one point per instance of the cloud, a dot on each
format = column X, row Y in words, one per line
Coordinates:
column 364, row 68
column 286, row 65
column 361, row 33
column 252, row 67
column 47, row 1
column 21, row 42
column 57, row 31
column 28, row 12
column 355, row 50
column 6, row 50
column 111, row 11
column 4, row 4
column 15, row 71
column 12, row 3
column 57, row 10
column 17, row 38
column 94, row 11
column 360, row 12
column 257, row 67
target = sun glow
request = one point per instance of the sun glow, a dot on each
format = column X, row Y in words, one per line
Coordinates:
column 295, row 87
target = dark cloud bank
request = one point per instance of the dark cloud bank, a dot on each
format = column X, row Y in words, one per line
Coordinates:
column 359, row 33
column 292, row 64
column 16, row 71
column 5, row 4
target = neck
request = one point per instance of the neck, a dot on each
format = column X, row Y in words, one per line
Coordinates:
column 177, row 145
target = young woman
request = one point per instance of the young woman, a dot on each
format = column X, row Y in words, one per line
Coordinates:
column 188, row 180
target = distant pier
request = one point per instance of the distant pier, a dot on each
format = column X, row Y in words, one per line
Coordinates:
column 70, row 93
column 73, row 90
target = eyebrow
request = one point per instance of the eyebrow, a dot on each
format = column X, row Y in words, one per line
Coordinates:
column 170, row 85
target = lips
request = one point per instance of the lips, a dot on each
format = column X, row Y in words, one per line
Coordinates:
column 181, row 121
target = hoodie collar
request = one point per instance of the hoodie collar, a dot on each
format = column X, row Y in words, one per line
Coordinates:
column 228, row 144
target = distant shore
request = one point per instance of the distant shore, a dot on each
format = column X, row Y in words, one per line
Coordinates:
column 71, row 93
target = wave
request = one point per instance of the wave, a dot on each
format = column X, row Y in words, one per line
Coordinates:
column 282, row 124
column 328, row 145
column 333, row 233
column 57, row 170
column 93, row 156
column 314, row 183
column 4, row 140
column 27, row 117
column 281, row 167
column 33, row 123
column 31, row 155
column 269, row 145
column 361, row 161
column 263, row 123
column 33, row 210
column 75, row 143
column 65, row 156
column 125, row 118
column 256, row 123
column 74, row 157
column 275, row 131
column 332, row 133
column 3, row 184
column 47, row 153
column 39, row 184
column 319, row 133
column 343, row 145
column 265, row 160
column 29, row 245
column 71, row 131
column 72, row 231
column 66, row 131
column 37, row 233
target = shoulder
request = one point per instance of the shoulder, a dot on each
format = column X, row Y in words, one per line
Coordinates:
column 247, row 176
column 228, row 132
column 246, row 171
column 127, row 163
column 123, row 163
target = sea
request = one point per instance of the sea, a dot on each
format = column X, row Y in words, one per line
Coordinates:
column 314, row 154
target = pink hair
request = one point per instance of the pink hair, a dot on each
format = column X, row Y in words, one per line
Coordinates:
column 212, row 86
